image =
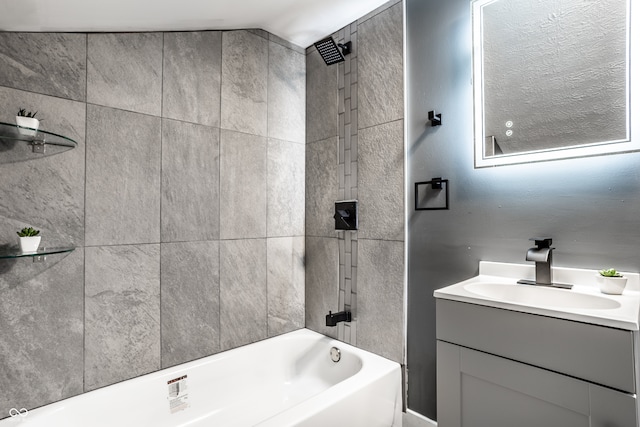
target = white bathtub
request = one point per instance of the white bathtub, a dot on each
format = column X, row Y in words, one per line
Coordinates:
column 289, row 380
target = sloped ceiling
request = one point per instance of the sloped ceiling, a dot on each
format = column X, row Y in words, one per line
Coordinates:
column 301, row 22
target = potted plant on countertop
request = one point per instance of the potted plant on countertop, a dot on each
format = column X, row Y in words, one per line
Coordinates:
column 611, row 281
column 29, row 239
column 27, row 122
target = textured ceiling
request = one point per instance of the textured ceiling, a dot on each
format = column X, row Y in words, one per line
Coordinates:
column 301, row 22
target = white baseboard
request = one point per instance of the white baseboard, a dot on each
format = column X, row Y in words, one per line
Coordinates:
column 414, row 419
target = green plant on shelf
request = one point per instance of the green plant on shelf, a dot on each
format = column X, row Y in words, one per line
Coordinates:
column 28, row 232
column 610, row 272
column 24, row 113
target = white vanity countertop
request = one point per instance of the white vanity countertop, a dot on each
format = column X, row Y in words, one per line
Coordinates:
column 621, row 311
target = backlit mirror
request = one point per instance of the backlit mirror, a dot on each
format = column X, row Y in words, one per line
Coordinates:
column 551, row 79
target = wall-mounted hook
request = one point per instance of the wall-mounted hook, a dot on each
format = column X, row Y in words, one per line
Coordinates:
column 435, row 119
column 436, row 183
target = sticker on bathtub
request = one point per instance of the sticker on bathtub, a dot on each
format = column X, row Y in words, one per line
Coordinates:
column 178, row 396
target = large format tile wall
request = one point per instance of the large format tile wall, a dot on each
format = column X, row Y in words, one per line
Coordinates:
column 184, row 197
column 355, row 150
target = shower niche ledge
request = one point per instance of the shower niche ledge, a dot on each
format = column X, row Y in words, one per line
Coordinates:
column 18, row 143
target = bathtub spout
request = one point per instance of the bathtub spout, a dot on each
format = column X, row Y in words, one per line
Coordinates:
column 334, row 318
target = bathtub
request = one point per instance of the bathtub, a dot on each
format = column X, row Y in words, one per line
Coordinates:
column 289, row 380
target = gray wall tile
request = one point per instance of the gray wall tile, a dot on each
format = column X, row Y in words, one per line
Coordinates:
column 285, row 284
column 123, row 196
column 190, row 301
column 258, row 32
column 123, row 177
column 357, row 164
column 285, row 43
column 321, row 187
column 285, row 188
column 191, row 77
column 321, row 289
column 243, row 189
column 286, row 106
column 375, row 12
column 47, row 192
column 38, row 364
column 380, row 297
column 244, row 82
column 243, row 292
column 122, row 313
column 48, row 63
column 381, row 181
column 322, row 98
column 380, row 68
column 125, row 71
column 190, row 182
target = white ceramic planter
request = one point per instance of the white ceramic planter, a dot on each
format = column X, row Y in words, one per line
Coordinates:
column 29, row 244
column 27, row 122
column 611, row 285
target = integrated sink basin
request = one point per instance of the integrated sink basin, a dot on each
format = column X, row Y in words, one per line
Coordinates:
column 541, row 296
column 496, row 286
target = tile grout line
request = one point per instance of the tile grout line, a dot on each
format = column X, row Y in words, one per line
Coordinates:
column 84, row 252
column 160, row 201
column 354, row 185
column 221, row 56
column 266, row 198
column 219, row 240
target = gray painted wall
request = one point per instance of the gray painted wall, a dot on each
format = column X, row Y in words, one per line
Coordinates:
column 355, row 150
column 184, row 197
column 589, row 206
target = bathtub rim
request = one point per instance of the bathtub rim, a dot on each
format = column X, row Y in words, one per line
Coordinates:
column 372, row 364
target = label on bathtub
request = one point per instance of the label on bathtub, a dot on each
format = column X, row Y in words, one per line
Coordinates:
column 178, row 396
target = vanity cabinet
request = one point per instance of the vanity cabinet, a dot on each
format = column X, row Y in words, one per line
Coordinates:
column 503, row 368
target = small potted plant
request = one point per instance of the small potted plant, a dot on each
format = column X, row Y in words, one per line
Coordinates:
column 611, row 281
column 27, row 122
column 29, row 239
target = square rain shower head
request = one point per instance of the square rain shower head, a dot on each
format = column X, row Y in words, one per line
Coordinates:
column 331, row 52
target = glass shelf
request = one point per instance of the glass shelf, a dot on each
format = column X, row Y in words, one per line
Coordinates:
column 18, row 143
column 17, row 253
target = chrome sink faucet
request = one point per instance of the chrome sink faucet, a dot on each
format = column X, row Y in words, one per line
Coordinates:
column 542, row 255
